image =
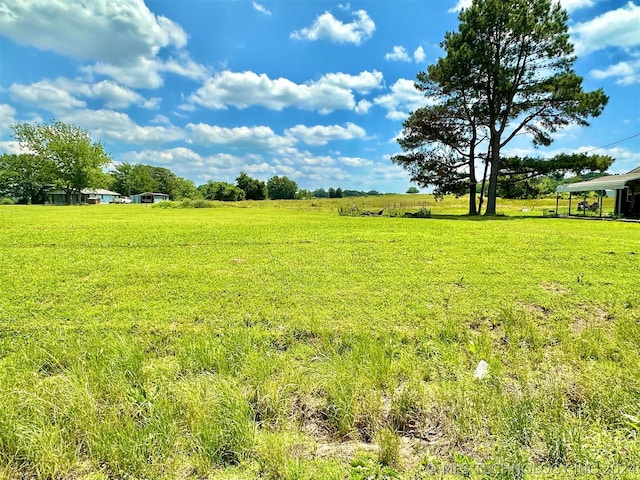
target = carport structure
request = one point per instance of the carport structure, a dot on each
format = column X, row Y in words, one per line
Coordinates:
column 625, row 186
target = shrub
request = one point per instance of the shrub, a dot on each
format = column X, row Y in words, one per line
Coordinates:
column 6, row 201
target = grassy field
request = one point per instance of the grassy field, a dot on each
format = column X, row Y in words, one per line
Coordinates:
column 280, row 340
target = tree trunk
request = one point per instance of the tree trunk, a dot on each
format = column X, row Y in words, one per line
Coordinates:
column 472, row 197
column 484, row 184
column 493, row 174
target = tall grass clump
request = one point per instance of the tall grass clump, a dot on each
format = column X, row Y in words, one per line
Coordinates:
column 219, row 420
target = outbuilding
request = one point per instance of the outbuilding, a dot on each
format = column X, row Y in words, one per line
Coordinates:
column 625, row 186
column 86, row 195
column 149, row 197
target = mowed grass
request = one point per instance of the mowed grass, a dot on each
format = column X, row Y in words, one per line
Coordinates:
column 280, row 340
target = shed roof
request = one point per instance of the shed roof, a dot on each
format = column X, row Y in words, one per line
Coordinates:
column 86, row 191
column 98, row 191
column 609, row 182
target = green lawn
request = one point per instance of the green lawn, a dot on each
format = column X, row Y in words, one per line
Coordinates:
column 281, row 340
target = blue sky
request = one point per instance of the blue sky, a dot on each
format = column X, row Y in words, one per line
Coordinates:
column 310, row 89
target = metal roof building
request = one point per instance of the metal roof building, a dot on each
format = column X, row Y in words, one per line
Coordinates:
column 626, row 187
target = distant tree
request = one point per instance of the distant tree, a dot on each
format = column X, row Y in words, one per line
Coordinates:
column 25, row 177
column 320, row 193
column 373, row 193
column 281, row 188
column 303, row 194
column 182, row 188
column 339, row 193
column 413, row 190
column 76, row 161
column 221, row 191
column 253, row 188
column 332, row 193
column 533, row 177
column 133, row 179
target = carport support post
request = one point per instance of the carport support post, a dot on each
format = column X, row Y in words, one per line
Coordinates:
column 570, row 195
column 601, row 192
column 557, row 197
column 618, row 202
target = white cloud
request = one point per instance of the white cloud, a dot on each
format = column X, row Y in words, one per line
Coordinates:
column 10, row 147
column 364, row 82
column 327, row 27
column 161, row 119
column 61, row 94
column 187, row 162
column 460, row 5
column 403, row 98
column 625, row 159
column 363, row 107
column 259, row 137
column 117, row 33
column 419, row 55
column 123, row 37
column 181, row 64
column 323, row 134
column 261, row 8
column 615, row 28
column 355, row 161
column 399, row 54
column 116, row 96
column 572, row 5
column 244, row 89
column 146, row 73
column 46, row 95
column 7, row 117
column 119, row 126
column 626, row 73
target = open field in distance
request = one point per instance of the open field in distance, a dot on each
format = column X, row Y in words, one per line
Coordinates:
column 280, row 340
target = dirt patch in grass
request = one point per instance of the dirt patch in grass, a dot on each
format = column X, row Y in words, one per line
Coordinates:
column 555, row 288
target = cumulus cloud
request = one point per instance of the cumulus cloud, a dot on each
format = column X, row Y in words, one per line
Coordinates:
column 625, row 73
column 331, row 92
column 114, row 32
column 323, row 134
column 402, row 99
column 61, row 94
column 615, row 28
column 364, row 82
column 45, row 94
column 399, row 54
column 7, row 117
column 327, row 27
column 10, row 146
column 258, row 137
column 123, row 38
column 147, row 73
column 261, row 8
column 120, row 127
column 363, row 107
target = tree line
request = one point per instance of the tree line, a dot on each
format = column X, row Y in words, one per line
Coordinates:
column 63, row 156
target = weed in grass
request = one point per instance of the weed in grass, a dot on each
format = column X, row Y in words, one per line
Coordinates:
column 367, row 467
column 389, row 448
